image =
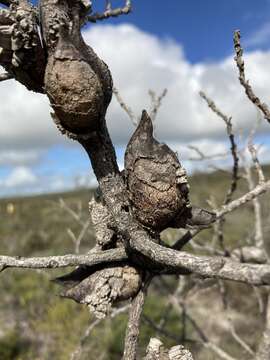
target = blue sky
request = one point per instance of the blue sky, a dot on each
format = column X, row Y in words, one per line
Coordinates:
column 204, row 27
column 183, row 45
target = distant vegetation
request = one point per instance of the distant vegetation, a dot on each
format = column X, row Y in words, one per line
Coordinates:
column 36, row 324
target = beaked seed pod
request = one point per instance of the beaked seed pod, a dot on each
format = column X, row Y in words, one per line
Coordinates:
column 156, row 181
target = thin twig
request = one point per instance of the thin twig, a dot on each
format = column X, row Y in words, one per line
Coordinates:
column 242, row 78
column 79, row 350
column 204, row 339
column 234, row 178
column 109, row 12
column 238, row 339
column 78, row 239
column 132, row 331
column 228, row 122
column 264, row 346
column 253, row 152
column 258, row 190
column 160, row 330
column 156, row 102
column 259, row 240
column 125, row 107
column 202, row 156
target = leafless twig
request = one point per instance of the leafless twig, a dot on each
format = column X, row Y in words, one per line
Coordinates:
column 264, row 346
column 125, row 107
column 238, row 339
column 77, row 240
column 110, row 12
column 53, row 262
column 156, row 102
column 242, row 78
column 203, row 338
column 202, row 156
column 218, row 226
column 258, row 190
column 228, row 122
column 132, row 331
column 77, row 353
column 253, row 152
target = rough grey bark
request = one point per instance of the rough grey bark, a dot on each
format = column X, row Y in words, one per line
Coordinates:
column 157, row 351
column 21, row 52
column 132, row 330
column 106, row 287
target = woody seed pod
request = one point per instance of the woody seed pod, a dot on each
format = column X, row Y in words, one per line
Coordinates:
column 77, row 82
column 156, row 181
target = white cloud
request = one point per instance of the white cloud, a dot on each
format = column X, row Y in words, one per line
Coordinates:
column 19, row 177
column 140, row 61
column 20, row 157
column 25, row 119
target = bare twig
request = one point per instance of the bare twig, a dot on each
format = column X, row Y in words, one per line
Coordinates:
column 242, row 78
column 253, row 152
column 160, row 330
column 52, row 262
column 228, row 122
column 109, row 12
column 180, row 243
column 238, row 339
column 258, row 190
column 79, row 350
column 264, row 346
column 203, row 338
column 202, row 156
column 156, row 102
column 259, row 241
column 77, row 240
column 132, row 331
column 125, row 107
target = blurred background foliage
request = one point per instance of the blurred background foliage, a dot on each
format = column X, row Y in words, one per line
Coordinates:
column 37, row 324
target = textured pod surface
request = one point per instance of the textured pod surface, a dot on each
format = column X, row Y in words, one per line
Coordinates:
column 77, row 82
column 75, row 94
column 156, row 181
column 157, row 351
column 102, row 289
column 21, row 52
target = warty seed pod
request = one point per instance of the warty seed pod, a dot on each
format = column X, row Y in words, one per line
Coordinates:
column 77, row 82
column 156, row 181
